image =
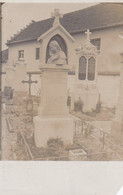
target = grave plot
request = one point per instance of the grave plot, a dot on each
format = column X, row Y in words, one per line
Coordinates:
column 98, row 143
column 89, row 143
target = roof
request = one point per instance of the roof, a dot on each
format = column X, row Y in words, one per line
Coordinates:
column 103, row 15
column 4, row 54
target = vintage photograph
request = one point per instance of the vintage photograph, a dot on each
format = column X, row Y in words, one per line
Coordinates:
column 62, row 82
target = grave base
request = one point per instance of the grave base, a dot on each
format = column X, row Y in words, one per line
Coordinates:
column 88, row 94
column 46, row 128
column 19, row 97
column 117, row 129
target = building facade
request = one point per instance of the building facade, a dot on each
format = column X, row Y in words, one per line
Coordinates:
column 105, row 21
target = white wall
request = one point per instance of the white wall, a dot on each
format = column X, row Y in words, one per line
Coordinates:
column 29, row 54
column 111, row 47
column 108, row 61
column 36, row 87
column 3, row 76
column 30, row 60
column 109, row 89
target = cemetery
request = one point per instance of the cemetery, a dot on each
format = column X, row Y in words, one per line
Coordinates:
column 59, row 125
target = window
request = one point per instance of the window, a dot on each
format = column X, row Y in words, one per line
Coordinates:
column 20, row 54
column 82, row 68
column 37, row 53
column 87, row 68
column 91, row 69
column 97, row 43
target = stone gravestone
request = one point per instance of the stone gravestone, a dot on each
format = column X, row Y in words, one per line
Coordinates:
column 117, row 123
column 20, row 90
column 8, row 88
column 85, row 88
column 53, row 119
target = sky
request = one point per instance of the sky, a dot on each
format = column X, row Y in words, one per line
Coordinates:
column 18, row 15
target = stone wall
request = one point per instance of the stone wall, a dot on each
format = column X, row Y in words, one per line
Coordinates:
column 109, row 89
column 108, row 86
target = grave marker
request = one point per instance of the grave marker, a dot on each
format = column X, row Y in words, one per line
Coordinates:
column 53, row 120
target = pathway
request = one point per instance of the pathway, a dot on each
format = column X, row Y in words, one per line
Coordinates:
column 7, row 142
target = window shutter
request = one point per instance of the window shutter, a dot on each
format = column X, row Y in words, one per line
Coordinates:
column 37, row 53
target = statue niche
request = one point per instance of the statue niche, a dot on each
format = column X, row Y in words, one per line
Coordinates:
column 56, row 51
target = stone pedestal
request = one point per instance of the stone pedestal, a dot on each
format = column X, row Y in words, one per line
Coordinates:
column 117, row 123
column 86, row 89
column 53, row 119
column 48, row 127
column 88, row 94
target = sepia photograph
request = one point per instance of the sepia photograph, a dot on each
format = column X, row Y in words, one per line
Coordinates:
column 62, row 81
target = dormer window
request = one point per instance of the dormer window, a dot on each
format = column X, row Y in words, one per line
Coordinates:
column 21, row 55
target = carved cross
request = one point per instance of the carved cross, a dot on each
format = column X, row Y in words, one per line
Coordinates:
column 30, row 82
column 57, row 15
column 88, row 33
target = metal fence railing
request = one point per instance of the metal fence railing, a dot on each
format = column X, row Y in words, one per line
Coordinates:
column 106, row 143
column 104, row 140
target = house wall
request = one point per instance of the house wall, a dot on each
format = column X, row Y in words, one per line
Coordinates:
column 108, row 61
column 29, row 54
column 111, row 47
column 108, row 86
column 3, row 76
column 109, row 89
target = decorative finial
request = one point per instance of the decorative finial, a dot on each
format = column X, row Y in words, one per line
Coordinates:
column 57, row 15
column 88, row 33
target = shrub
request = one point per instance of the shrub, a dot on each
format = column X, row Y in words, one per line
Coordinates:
column 98, row 106
column 68, row 101
column 78, row 105
column 55, row 143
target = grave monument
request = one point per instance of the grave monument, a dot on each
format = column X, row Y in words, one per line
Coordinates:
column 20, row 90
column 117, row 123
column 85, row 87
column 53, row 120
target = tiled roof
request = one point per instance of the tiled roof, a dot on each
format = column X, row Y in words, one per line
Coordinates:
column 96, row 17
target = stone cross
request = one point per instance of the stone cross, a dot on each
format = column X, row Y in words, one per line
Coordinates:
column 57, row 15
column 88, row 33
column 29, row 82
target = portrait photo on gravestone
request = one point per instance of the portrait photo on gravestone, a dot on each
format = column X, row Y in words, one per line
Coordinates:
column 62, row 82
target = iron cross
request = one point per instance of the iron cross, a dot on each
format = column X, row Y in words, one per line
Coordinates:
column 29, row 82
column 57, row 15
column 88, row 33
